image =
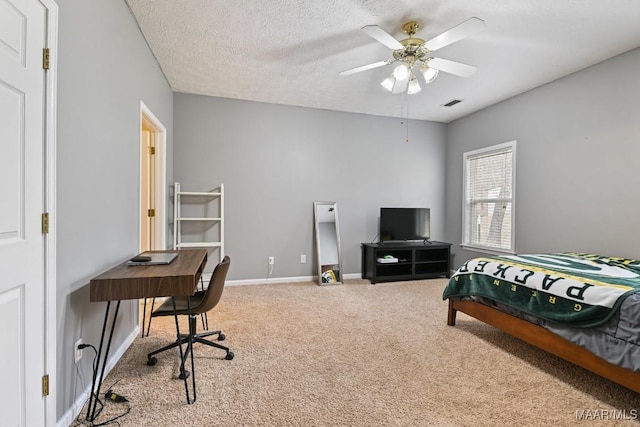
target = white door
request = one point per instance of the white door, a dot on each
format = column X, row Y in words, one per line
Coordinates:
column 22, row 303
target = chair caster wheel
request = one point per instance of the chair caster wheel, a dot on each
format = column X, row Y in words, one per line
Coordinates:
column 229, row 355
column 221, row 337
column 183, row 375
column 152, row 361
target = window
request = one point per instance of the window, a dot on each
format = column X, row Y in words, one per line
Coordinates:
column 489, row 195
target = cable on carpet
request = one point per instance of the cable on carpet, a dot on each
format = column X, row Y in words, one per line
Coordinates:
column 109, row 396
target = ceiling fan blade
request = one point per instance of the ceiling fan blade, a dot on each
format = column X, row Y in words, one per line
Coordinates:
column 452, row 67
column 382, row 36
column 467, row 28
column 363, row 68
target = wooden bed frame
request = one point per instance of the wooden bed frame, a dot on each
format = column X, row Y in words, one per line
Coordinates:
column 545, row 340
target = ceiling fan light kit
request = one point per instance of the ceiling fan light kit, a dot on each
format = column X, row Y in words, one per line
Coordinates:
column 415, row 52
column 428, row 73
column 414, row 86
column 388, row 83
column 401, row 72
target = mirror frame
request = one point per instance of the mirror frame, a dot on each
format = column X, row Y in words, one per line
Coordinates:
column 316, row 205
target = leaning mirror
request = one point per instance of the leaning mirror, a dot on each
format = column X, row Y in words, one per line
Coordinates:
column 329, row 254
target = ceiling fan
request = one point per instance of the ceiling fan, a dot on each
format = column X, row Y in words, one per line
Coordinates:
column 413, row 52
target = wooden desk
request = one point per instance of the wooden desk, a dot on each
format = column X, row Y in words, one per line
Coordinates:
column 177, row 279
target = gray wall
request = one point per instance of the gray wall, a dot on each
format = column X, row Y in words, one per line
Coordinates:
column 275, row 161
column 104, row 69
column 577, row 174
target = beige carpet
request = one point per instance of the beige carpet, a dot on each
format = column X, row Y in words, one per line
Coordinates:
column 357, row 355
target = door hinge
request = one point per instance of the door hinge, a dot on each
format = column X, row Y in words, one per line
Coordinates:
column 45, row 223
column 152, row 150
column 45, row 58
column 151, row 212
column 45, row 385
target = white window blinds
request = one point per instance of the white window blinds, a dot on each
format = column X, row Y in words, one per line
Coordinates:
column 489, row 194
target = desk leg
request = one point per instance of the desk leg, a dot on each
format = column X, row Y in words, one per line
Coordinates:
column 184, row 354
column 91, row 413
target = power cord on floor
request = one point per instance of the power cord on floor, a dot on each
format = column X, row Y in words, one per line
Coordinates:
column 110, row 395
column 114, row 397
column 116, row 418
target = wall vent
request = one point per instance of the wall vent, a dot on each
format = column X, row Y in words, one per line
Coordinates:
column 452, row 102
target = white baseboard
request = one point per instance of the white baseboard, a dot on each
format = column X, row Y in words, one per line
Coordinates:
column 271, row 280
column 265, row 281
column 115, row 356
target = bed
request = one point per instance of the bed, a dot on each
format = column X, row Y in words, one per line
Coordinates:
column 583, row 308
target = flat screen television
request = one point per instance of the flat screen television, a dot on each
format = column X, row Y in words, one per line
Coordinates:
column 404, row 224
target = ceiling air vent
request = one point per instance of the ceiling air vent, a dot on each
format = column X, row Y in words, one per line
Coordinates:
column 452, row 103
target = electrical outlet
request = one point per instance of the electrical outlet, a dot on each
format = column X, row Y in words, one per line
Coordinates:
column 303, row 259
column 271, row 260
column 77, row 352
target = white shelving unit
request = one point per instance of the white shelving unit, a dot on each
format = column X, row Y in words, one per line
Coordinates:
column 207, row 201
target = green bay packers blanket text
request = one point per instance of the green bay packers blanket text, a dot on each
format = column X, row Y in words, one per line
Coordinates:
column 578, row 289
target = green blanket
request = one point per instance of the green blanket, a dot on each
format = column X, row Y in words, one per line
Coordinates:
column 578, row 289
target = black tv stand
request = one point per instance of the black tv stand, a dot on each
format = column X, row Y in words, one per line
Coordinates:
column 415, row 260
column 392, row 243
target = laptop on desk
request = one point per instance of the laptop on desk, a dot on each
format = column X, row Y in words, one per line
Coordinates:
column 153, row 258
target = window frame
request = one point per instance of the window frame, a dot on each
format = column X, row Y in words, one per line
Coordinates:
column 470, row 155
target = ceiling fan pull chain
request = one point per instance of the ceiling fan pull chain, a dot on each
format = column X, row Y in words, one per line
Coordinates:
column 407, row 120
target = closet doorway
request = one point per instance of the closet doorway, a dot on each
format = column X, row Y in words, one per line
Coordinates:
column 153, row 181
column 153, row 188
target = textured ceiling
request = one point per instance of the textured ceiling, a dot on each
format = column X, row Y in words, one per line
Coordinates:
column 290, row 52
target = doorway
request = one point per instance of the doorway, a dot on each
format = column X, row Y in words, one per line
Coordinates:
column 153, row 138
column 153, row 182
column 153, row 188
